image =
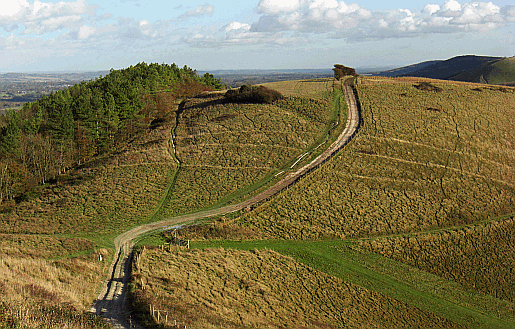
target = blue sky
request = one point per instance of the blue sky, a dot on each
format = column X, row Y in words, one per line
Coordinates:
column 87, row 35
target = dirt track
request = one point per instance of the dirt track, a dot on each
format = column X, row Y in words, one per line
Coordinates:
column 111, row 302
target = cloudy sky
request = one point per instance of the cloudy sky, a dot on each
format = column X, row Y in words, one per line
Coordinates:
column 86, row 35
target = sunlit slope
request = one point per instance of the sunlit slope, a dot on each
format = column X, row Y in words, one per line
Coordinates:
column 225, row 148
column 226, row 288
column 502, row 72
column 423, row 159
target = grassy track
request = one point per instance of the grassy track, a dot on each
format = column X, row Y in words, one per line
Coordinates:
column 397, row 280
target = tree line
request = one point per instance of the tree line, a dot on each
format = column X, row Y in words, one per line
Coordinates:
column 72, row 125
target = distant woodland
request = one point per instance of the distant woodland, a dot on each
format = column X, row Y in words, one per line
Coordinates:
column 68, row 127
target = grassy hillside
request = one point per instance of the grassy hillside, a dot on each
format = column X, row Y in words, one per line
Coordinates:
column 219, row 288
column 422, row 160
column 225, row 149
column 190, row 158
column 418, row 207
column 469, row 68
column 502, row 72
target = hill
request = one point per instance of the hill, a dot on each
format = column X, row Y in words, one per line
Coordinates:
column 181, row 150
column 418, row 206
column 409, row 225
column 405, row 70
column 469, row 68
column 496, row 72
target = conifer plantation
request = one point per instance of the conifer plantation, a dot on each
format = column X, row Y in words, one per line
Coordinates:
column 71, row 126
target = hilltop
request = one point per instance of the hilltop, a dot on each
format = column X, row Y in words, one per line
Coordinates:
column 468, row 68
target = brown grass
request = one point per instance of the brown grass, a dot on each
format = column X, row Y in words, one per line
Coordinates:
column 479, row 257
column 408, row 169
column 35, row 246
column 36, row 293
column 217, row 288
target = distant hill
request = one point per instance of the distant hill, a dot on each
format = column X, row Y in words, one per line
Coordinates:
column 470, row 68
column 498, row 72
column 406, row 70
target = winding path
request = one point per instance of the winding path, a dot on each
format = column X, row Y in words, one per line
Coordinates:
column 111, row 302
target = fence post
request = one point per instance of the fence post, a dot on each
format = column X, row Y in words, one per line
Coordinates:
column 188, row 245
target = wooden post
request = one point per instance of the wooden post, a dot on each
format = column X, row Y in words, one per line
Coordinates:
column 158, row 316
column 188, row 245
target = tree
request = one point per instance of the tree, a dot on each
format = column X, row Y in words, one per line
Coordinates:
column 11, row 133
column 341, row 71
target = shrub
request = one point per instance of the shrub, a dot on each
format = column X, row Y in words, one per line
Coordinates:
column 426, row 86
column 253, row 94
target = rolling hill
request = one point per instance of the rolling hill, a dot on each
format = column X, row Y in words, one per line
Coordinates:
column 468, row 68
column 409, row 225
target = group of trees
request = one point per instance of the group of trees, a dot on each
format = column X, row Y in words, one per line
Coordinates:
column 90, row 118
column 340, row 71
column 253, row 94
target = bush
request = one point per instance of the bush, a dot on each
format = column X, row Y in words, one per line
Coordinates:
column 426, row 86
column 253, row 94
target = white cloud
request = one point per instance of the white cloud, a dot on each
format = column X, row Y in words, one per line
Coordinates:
column 451, row 5
column 77, row 29
column 354, row 23
column 277, row 6
column 198, row 12
column 236, row 26
column 12, row 8
column 431, row 9
column 85, row 32
column 39, row 17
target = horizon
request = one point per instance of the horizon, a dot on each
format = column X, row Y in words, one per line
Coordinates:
column 376, row 66
column 92, row 35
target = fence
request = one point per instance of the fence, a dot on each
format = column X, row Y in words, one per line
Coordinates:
column 161, row 317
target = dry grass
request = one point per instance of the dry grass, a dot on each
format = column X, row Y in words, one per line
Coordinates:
column 35, row 246
column 100, row 197
column 218, row 288
column 225, row 147
column 36, row 293
column 479, row 257
column 409, row 168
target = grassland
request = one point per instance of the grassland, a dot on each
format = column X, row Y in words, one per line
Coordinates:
column 99, row 199
column 417, row 208
column 226, row 151
column 39, row 293
column 220, row 288
column 479, row 257
column 422, row 160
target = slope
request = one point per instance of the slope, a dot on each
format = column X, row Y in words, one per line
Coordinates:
column 468, row 68
column 427, row 184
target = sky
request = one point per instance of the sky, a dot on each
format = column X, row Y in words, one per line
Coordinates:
column 95, row 35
